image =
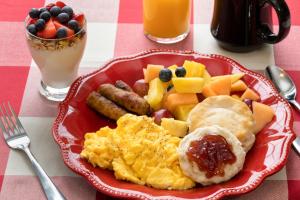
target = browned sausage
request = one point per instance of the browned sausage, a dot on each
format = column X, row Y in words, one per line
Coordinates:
column 105, row 106
column 122, row 85
column 129, row 100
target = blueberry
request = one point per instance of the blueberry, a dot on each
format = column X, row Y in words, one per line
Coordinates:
column 34, row 13
column 180, row 72
column 45, row 16
column 73, row 24
column 55, row 10
column 68, row 10
column 43, row 10
column 31, row 29
column 61, row 33
column 165, row 75
column 40, row 24
column 63, row 17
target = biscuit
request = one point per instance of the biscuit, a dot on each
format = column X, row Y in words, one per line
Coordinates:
column 225, row 112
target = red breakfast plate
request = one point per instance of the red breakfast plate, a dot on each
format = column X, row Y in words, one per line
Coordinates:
column 268, row 155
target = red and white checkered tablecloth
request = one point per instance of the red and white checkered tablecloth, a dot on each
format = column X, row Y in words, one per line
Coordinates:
column 114, row 29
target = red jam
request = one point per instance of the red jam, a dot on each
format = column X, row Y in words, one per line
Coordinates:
column 211, row 153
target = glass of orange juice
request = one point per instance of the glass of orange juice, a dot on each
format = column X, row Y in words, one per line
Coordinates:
column 166, row 21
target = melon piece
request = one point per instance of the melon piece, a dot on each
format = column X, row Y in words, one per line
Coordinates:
column 188, row 85
column 250, row 94
column 234, row 77
column 206, row 76
column 221, row 86
column 176, row 99
column 238, row 86
column 193, row 69
column 164, row 100
column 152, row 72
column 175, row 127
column 263, row 114
column 208, row 92
column 173, row 68
column 155, row 93
column 181, row 112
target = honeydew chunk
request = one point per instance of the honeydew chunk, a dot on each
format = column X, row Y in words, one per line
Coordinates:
column 263, row 114
column 176, row 99
column 221, row 86
column 152, row 72
column 238, row 86
column 188, row 85
column 234, row 77
column 155, row 93
column 175, row 127
column 182, row 111
column 193, row 69
column 250, row 94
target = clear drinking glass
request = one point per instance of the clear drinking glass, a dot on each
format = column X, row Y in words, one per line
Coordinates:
column 58, row 61
column 166, row 21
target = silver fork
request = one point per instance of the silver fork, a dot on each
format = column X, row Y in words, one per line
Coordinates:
column 17, row 138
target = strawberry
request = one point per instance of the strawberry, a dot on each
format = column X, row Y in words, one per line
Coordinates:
column 60, row 4
column 58, row 25
column 49, row 31
column 79, row 18
column 31, row 21
column 49, row 6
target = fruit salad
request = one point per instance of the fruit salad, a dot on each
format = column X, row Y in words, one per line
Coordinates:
column 56, row 37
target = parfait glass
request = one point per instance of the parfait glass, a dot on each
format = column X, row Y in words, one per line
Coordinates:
column 58, row 61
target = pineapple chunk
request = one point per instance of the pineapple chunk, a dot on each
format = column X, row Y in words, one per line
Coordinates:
column 155, row 93
column 175, row 127
column 234, row 77
column 173, row 68
column 193, row 69
column 188, row 85
column 206, row 77
column 182, row 111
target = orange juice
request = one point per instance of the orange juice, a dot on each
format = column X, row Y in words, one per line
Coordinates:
column 166, row 18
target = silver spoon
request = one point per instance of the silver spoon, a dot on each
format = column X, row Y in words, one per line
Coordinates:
column 287, row 89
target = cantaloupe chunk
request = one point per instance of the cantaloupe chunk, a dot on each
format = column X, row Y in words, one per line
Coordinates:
column 238, row 86
column 155, row 93
column 193, row 69
column 208, row 92
column 177, row 99
column 166, row 94
column 173, row 69
column 234, row 77
column 188, row 85
column 181, row 112
column 221, row 86
column 250, row 94
column 263, row 114
column 206, row 77
column 152, row 72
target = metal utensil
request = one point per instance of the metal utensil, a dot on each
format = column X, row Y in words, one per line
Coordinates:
column 287, row 89
column 17, row 138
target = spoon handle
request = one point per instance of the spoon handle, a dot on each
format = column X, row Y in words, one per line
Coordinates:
column 295, row 104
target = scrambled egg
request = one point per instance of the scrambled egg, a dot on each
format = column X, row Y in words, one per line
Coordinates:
column 139, row 151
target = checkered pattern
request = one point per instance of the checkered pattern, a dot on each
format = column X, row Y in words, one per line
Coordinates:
column 114, row 29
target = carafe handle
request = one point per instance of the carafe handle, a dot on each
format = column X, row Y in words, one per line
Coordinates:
column 284, row 19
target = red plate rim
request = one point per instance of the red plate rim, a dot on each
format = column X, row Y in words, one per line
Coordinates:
column 121, row 193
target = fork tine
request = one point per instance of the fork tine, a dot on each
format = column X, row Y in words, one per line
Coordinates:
column 5, row 122
column 4, row 130
column 11, row 123
column 19, row 124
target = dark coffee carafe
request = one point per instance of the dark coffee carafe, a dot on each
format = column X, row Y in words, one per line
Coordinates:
column 244, row 25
